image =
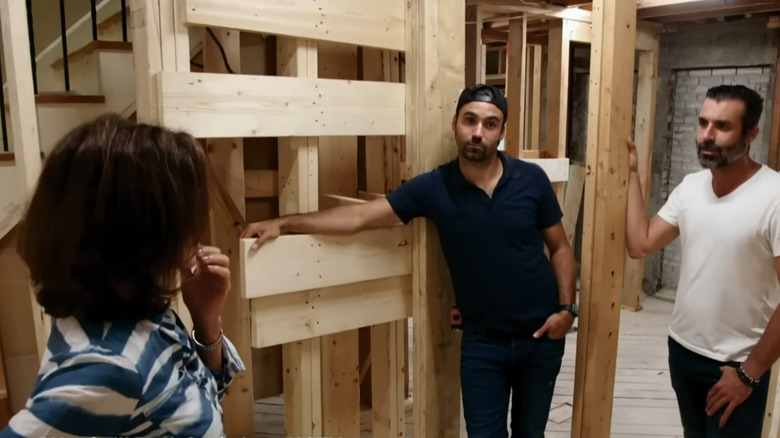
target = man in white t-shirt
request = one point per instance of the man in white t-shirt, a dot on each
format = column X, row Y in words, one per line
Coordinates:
column 724, row 334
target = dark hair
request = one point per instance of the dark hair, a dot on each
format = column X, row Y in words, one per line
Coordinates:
column 118, row 206
column 754, row 103
column 483, row 93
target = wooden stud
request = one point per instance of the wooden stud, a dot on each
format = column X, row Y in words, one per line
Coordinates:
column 558, row 94
column 474, row 63
column 227, row 160
column 17, row 333
column 338, row 175
column 610, row 107
column 147, row 57
column 298, row 183
column 534, row 107
column 387, row 379
column 772, row 409
column 435, row 60
column 24, row 130
column 5, row 403
column 516, row 87
column 774, row 136
column 644, row 130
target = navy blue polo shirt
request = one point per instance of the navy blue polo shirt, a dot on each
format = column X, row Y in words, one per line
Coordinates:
column 493, row 246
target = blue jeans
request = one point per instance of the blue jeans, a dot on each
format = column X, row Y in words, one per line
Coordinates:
column 492, row 368
column 692, row 377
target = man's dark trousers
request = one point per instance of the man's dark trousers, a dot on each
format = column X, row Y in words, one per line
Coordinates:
column 492, row 367
column 693, row 376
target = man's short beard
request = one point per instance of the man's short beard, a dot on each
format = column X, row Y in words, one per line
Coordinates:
column 479, row 156
column 725, row 156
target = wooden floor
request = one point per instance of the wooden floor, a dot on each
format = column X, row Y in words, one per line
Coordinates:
column 644, row 403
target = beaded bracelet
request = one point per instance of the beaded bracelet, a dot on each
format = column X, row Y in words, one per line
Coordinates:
column 746, row 379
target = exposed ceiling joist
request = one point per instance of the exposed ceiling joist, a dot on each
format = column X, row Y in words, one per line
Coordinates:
column 640, row 4
column 718, row 7
column 705, row 14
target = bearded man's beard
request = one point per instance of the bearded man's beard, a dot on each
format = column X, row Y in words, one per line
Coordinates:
column 713, row 156
column 477, row 150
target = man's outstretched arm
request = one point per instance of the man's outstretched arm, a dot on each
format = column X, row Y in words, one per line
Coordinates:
column 643, row 237
column 342, row 220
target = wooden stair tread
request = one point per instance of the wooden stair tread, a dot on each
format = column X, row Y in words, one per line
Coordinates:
column 7, row 156
column 92, row 47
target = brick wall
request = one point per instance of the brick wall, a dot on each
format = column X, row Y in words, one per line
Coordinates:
column 690, row 88
column 691, row 61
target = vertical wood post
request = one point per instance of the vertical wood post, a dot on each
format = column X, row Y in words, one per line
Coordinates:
column 435, row 62
column 24, row 128
column 644, row 130
column 610, row 107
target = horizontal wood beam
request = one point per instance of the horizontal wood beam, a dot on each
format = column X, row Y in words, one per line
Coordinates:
column 373, row 24
column 692, row 7
column 707, row 13
column 494, row 36
column 215, row 105
column 642, row 4
column 330, row 201
column 300, row 262
column 582, row 32
column 280, row 319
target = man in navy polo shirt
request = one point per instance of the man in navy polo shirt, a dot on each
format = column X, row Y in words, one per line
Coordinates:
column 494, row 215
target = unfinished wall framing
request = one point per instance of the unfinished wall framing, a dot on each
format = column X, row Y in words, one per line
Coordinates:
column 311, row 294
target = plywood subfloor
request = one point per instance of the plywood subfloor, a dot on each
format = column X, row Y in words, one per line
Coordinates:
column 644, row 403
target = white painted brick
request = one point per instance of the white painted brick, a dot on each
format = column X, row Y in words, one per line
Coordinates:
column 724, row 71
column 688, row 80
column 704, row 72
column 715, row 80
column 750, row 71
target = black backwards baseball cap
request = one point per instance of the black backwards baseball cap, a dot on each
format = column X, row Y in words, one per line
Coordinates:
column 483, row 93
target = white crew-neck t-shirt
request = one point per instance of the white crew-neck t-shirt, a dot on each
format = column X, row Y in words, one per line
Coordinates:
column 728, row 286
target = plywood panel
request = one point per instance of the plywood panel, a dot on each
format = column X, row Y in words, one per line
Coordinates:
column 307, row 314
column 371, row 23
column 219, row 105
column 300, row 262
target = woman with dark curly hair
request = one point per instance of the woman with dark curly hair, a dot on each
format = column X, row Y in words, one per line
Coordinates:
column 110, row 238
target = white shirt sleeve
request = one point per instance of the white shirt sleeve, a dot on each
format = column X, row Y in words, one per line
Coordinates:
column 670, row 212
column 773, row 229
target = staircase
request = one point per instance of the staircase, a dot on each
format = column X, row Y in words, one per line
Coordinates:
column 101, row 78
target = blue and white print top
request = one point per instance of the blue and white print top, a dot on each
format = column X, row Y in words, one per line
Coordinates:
column 125, row 379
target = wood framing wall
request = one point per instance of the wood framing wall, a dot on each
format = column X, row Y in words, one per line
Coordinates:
column 311, row 294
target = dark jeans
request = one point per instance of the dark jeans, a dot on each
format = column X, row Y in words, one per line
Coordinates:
column 692, row 377
column 492, row 367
